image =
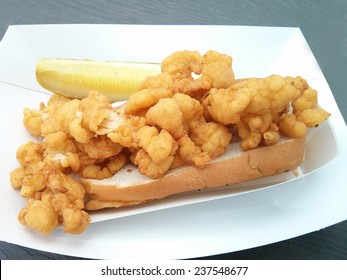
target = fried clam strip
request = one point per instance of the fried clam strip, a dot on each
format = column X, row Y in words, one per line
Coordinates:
column 260, row 109
column 194, row 74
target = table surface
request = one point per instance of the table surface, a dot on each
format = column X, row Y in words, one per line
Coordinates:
column 323, row 23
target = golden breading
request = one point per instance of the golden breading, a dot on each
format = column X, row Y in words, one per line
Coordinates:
column 100, row 148
column 167, row 115
column 29, row 153
column 271, row 137
column 192, row 153
column 150, row 168
column 313, row 117
column 95, row 108
column 58, row 117
column 211, row 137
column 158, row 145
column 79, row 133
column 16, row 177
column 226, row 105
column 308, row 100
column 32, row 121
column 39, row 216
column 61, row 151
column 75, row 221
column 162, row 80
column 217, row 69
column 121, row 128
column 291, row 127
column 106, row 170
column 213, row 70
column 145, row 99
column 181, row 64
column 190, row 107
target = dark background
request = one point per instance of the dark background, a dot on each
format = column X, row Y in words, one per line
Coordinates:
column 323, row 23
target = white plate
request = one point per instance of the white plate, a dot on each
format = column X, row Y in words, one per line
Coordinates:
column 206, row 223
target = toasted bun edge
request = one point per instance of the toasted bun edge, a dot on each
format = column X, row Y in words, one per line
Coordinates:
column 250, row 165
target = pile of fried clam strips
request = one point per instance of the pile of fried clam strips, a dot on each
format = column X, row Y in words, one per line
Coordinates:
column 186, row 115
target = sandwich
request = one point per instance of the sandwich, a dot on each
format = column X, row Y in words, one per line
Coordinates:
column 191, row 126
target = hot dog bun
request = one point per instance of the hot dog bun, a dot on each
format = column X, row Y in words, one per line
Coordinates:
column 129, row 186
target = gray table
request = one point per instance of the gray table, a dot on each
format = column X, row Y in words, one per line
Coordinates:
column 323, row 22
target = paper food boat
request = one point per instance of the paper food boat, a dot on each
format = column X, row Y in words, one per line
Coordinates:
column 256, row 52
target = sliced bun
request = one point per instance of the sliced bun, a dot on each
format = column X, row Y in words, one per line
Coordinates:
column 129, row 186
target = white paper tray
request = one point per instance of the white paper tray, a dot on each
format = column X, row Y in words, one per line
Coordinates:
column 205, row 223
